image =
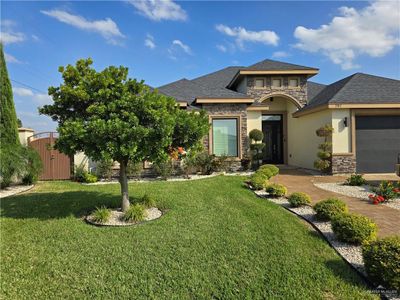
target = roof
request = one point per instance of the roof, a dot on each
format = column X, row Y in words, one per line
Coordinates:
column 220, row 78
column 273, row 65
column 313, row 89
column 188, row 90
column 358, row 88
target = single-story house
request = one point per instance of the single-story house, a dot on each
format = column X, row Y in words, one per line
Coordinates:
column 278, row 98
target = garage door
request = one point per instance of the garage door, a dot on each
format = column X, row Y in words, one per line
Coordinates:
column 377, row 143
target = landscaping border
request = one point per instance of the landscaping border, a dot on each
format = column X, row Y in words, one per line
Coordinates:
column 359, row 269
column 27, row 188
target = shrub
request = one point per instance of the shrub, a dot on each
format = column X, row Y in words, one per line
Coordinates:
column 387, row 190
column 134, row 169
column 147, row 201
column 190, row 164
column 256, row 135
column 258, row 181
column 329, row 208
column 104, row 168
column 164, row 168
column 135, row 213
column 265, row 171
column 353, row 228
column 245, row 163
column 382, row 261
column 79, row 173
column 276, row 190
column 274, row 170
column 355, row 180
column 298, row 199
column 89, row 178
column 101, row 215
column 204, row 161
column 220, row 163
column 28, row 179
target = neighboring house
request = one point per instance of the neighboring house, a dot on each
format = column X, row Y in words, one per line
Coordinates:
column 277, row 98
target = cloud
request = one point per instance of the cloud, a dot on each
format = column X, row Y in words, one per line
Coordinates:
column 243, row 35
column 158, row 10
column 37, row 98
column 373, row 30
column 8, row 35
column 35, row 37
column 107, row 28
column 37, row 122
column 184, row 47
column 222, row 48
column 149, row 41
column 280, row 54
column 11, row 59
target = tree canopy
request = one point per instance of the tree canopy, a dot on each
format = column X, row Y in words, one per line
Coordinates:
column 110, row 116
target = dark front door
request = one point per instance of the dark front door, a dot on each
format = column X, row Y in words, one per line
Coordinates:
column 272, row 127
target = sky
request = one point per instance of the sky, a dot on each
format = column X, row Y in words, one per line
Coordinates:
column 163, row 41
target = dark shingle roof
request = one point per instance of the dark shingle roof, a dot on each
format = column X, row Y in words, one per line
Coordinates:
column 273, row 65
column 314, row 89
column 220, row 78
column 358, row 88
column 188, row 90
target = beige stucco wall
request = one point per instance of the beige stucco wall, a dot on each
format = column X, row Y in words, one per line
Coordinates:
column 80, row 159
column 24, row 134
column 253, row 120
column 341, row 138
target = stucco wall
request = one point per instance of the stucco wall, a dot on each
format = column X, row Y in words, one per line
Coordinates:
column 80, row 159
column 341, row 138
column 24, row 134
column 254, row 120
column 302, row 140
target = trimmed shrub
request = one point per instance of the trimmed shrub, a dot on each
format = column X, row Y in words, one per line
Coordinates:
column 147, row 201
column 134, row 169
column 276, row 190
column 256, row 135
column 298, row 199
column 382, row 261
column 274, row 170
column 135, row 213
column 355, row 180
column 265, row 171
column 90, row 178
column 329, row 208
column 353, row 228
column 258, row 181
column 101, row 215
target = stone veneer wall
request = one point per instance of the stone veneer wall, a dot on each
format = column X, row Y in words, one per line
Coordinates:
column 300, row 93
column 343, row 164
column 230, row 110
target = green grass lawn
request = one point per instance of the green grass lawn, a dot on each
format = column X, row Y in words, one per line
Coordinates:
column 217, row 240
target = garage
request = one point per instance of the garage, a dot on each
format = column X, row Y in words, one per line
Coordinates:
column 377, row 143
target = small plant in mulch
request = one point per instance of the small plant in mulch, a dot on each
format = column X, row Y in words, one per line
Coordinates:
column 298, row 199
column 385, row 192
column 354, row 228
column 135, row 213
column 330, row 208
column 101, row 215
column 355, row 180
column 276, row 190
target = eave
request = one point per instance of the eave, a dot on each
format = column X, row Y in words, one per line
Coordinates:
column 224, row 100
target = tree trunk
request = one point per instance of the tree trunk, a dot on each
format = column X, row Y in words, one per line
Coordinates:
column 123, row 179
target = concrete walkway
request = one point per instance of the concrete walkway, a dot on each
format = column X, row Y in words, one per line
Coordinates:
column 387, row 219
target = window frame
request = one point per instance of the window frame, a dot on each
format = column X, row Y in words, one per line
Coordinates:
column 298, row 82
column 272, row 82
column 264, row 83
column 238, row 134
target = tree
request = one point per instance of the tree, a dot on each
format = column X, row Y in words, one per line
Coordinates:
column 108, row 116
column 8, row 116
column 256, row 146
column 324, row 154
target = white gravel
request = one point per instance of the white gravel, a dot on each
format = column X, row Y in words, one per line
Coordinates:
column 361, row 192
column 15, row 189
column 116, row 217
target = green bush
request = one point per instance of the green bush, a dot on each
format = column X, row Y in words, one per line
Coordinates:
column 256, row 135
column 135, row 213
column 353, row 228
column 386, row 189
column 164, row 169
column 104, row 168
column 134, row 169
column 273, row 170
column 258, row 181
column 89, row 178
column 355, row 180
column 147, row 201
column 382, row 261
column 33, row 165
column 276, row 190
column 220, row 163
column 298, row 199
column 329, row 208
column 101, row 215
column 204, row 162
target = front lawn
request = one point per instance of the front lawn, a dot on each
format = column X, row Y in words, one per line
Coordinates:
column 217, row 240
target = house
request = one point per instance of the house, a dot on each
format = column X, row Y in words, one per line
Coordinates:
column 278, row 98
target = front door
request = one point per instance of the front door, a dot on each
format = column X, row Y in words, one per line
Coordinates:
column 272, row 127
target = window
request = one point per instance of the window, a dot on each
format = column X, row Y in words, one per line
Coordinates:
column 259, row 83
column 277, row 82
column 271, row 117
column 225, row 137
column 293, row 82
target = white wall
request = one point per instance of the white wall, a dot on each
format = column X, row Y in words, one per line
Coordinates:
column 80, row 159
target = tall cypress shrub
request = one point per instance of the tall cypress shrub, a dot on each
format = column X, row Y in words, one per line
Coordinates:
column 8, row 122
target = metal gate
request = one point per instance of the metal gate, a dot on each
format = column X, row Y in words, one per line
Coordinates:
column 55, row 164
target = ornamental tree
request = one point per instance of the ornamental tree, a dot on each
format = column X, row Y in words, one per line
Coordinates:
column 110, row 116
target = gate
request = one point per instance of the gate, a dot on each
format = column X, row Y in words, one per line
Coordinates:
column 55, row 164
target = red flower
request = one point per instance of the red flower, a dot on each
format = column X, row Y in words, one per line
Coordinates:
column 375, row 202
column 396, row 190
